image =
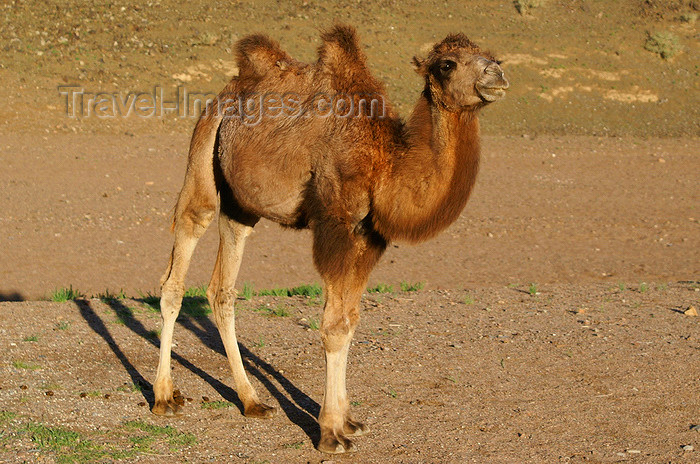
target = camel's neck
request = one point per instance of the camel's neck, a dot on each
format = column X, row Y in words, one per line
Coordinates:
column 427, row 185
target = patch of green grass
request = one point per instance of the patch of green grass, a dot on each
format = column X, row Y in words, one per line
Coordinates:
column 468, row 299
column 31, row 338
column 314, row 323
column 195, row 308
column 63, row 325
column 356, row 403
column 665, row 44
column 411, row 287
column 25, row 365
column 295, row 445
column 50, row 386
column 279, row 310
column 260, row 343
column 70, row 446
column 195, row 303
column 306, row 290
column 196, row 292
column 381, row 288
column 6, row 416
column 274, row 292
column 310, row 290
column 532, row 289
column 65, row 294
column 181, row 440
column 621, row 287
column 142, row 442
column 216, row 404
column 153, row 301
column 108, row 296
column 662, row 287
column 154, row 334
column 53, row 438
column 94, row 394
column 247, row 292
column 643, row 287
column 130, row 388
column 175, row 438
column 391, row 392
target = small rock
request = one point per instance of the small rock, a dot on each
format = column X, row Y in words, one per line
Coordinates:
column 107, row 396
column 142, row 403
column 688, row 448
column 205, row 399
column 695, row 427
column 83, row 395
column 633, row 451
column 48, row 393
column 23, row 387
column 661, row 160
column 691, row 311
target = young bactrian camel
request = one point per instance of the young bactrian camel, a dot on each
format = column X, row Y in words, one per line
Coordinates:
column 317, row 146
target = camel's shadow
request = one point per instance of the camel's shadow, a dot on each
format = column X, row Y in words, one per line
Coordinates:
column 301, row 409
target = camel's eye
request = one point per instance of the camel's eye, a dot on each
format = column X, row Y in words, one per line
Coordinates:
column 447, row 66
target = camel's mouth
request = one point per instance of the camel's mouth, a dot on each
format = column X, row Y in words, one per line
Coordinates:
column 491, row 94
column 493, row 85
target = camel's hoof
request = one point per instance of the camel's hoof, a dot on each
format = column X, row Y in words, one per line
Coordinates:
column 166, row 408
column 260, row 410
column 335, row 444
column 353, row 428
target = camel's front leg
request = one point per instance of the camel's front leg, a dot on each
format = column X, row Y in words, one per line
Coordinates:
column 335, row 421
column 344, row 258
column 340, row 317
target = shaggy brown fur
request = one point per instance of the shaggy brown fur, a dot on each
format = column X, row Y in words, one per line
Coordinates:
column 306, row 146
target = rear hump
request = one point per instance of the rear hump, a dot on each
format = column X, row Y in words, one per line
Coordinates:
column 341, row 57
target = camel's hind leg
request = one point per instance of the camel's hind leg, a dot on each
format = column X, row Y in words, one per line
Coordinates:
column 188, row 230
column 194, row 212
column 222, row 294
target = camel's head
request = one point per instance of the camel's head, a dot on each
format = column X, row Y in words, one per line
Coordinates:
column 459, row 75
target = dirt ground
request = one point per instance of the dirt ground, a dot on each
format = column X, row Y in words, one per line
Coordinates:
column 551, row 324
column 95, row 215
column 571, row 373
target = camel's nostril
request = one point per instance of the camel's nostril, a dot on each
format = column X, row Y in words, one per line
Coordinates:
column 494, row 70
column 498, row 79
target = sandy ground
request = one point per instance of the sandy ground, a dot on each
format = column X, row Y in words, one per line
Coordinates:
column 574, row 373
column 95, row 214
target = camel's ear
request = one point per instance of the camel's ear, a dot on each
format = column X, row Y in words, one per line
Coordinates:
column 419, row 65
column 420, row 60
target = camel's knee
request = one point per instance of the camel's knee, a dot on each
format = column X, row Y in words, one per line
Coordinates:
column 222, row 303
column 171, row 294
column 194, row 219
column 336, row 335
